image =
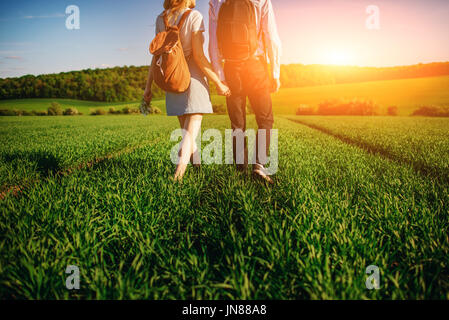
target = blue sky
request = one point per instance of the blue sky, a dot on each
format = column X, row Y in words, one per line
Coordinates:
column 34, row 39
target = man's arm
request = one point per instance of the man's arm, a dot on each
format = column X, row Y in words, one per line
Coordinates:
column 214, row 52
column 271, row 38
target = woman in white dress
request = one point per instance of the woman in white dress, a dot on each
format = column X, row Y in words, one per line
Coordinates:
column 188, row 106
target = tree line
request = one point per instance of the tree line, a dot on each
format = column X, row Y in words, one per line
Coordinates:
column 109, row 85
column 121, row 84
column 297, row 75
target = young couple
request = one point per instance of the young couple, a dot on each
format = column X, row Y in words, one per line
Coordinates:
column 244, row 74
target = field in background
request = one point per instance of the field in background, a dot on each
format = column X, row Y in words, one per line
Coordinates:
column 407, row 95
column 84, row 107
column 351, row 192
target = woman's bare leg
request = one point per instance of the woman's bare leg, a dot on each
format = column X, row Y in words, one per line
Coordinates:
column 195, row 157
column 182, row 120
column 192, row 126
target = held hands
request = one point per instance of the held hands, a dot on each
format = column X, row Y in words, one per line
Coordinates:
column 223, row 89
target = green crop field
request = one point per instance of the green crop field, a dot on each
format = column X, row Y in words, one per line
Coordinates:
column 350, row 192
column 422, row 143
column 84, row 107
column 407, row 95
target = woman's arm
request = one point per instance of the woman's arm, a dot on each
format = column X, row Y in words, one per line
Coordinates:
column 147, row 96
column 204, row 64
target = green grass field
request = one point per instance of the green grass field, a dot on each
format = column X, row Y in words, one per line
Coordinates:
column 350, row 192
column 84, row 107
column 407, row 95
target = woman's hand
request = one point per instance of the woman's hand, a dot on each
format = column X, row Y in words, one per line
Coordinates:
column 223, row 89
column 204, row 64
column 147, row 95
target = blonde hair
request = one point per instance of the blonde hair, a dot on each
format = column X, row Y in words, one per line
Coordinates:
column 174, row 7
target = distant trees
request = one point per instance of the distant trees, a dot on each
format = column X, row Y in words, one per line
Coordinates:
column 341, row 107
column 298, row 75
column 112, row 110
column 121, row 84
column 392, row 111
column 71, row 112
column 305, row 110
column 55, row 109
column 432, row 111
column 362, row 107
column 98, row 112
column 353, row 107
column 109, row 85
column 129, row 110
column 16, row 112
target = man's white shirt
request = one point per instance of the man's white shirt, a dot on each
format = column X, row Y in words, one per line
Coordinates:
column 265, row 19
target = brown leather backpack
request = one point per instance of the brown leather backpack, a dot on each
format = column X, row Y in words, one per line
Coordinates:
column 170, row 69
column 237, row 34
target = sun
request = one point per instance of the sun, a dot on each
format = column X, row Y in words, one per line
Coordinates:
column 338, row 57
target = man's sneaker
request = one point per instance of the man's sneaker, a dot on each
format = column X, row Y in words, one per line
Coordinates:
column 145, row 108
column 259, row 172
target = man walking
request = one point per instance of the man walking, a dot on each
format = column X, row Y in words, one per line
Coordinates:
column 242, row 34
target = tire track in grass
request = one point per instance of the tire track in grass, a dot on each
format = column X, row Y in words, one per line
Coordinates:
column 17, row 189
column 418, row 166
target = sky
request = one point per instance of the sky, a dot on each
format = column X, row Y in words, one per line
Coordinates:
column 34, row 38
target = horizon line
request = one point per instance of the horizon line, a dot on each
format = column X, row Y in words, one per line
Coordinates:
column 284, row 64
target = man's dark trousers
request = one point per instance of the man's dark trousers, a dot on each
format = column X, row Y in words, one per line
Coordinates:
column 249, row 79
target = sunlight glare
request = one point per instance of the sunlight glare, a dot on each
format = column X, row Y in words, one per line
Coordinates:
column 338, row 57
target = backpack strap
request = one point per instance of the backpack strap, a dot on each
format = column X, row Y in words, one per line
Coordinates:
column 181, row 22
column 184, row 18
column 166, row 20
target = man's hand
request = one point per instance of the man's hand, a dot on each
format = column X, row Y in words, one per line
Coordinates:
column 275, row 85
